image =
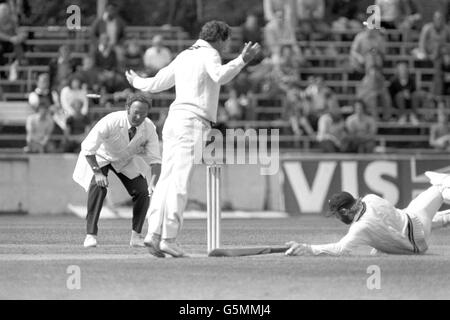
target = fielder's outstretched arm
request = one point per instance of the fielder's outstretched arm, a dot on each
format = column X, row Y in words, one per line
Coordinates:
column 441, row 219
column 354, row 237
column 222, row 74
column 219, row 73
column 163, row 80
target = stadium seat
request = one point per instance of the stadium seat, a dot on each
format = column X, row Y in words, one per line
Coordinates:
column 14, row 113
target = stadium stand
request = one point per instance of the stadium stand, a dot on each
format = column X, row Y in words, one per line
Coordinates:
column 325, row 59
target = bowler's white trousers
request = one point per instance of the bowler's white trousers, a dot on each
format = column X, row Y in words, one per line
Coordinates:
column 183, row 145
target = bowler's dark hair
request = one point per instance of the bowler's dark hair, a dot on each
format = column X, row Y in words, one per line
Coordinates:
column 138, row 97
column 214, row 31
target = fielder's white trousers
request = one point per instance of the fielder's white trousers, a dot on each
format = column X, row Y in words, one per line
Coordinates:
column 183, row 145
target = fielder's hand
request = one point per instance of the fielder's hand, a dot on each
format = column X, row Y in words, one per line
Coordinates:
column 131, row 75
column 250, row 51
column 297, row 249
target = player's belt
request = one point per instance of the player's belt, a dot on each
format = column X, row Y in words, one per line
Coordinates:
column 410, row 230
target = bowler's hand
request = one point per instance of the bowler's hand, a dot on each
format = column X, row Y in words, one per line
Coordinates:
column 131, row 75
column 297, row 249
column 250, row 51
column 101, row 180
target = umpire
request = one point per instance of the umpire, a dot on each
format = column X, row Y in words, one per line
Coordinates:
column 126, row 143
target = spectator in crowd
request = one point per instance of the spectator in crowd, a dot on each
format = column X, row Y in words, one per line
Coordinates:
column 105, row 57
column 440, row 131
column 77, row 127
column 433, row 37
column 21, row 11
column 310, row 17
column 251, row 30
column 289, row 8
column 39, row 128
column 89, row 74
column 184, row 14
column 43, row 95
column 105, row 60
column 75, row 91
column 412, row 19
column 133, row 55
column 111, row 24
column 361, row 129
column 11, row 40
column 331, row 133
column 344, row 9
column 288, row 65
column 373, row 90
column 157, row 56
column 345, row 19
column 233, row 107
column 441, row 79
column 270, row 86
column 403, row 93
column 61, row 68
column 396, row 14
column 245, row 90
column 319, row 95
column 367, row 50
column 278, row 33
column 297, row 115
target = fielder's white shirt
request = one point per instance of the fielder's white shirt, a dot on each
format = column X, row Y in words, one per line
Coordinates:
column 197, row 74
column 382, row 226
column 109, row 142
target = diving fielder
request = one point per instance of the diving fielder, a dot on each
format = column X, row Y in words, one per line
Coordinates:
column 197, row 74
column 377, row 223
column 126, row 143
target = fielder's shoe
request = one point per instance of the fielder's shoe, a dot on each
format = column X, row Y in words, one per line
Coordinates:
column 438, row 179
column 152, row 243
column 172, row 248
column 442, row 181
column 442, row 217
column 90, row 241
column 136, row 240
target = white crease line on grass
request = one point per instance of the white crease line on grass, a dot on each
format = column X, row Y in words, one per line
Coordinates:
column 104, row 256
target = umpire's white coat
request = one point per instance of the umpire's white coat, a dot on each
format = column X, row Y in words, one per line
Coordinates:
column 197, row 74
column 109, row 142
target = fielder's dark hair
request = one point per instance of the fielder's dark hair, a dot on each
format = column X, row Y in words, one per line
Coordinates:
column 214, row 31
column 340, row 200
column 133, row 97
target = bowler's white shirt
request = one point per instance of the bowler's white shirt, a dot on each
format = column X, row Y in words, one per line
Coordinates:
column 109, row 142
column 197, row 74
column 382, row 226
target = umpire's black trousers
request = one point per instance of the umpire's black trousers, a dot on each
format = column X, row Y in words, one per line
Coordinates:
column 137, row 188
